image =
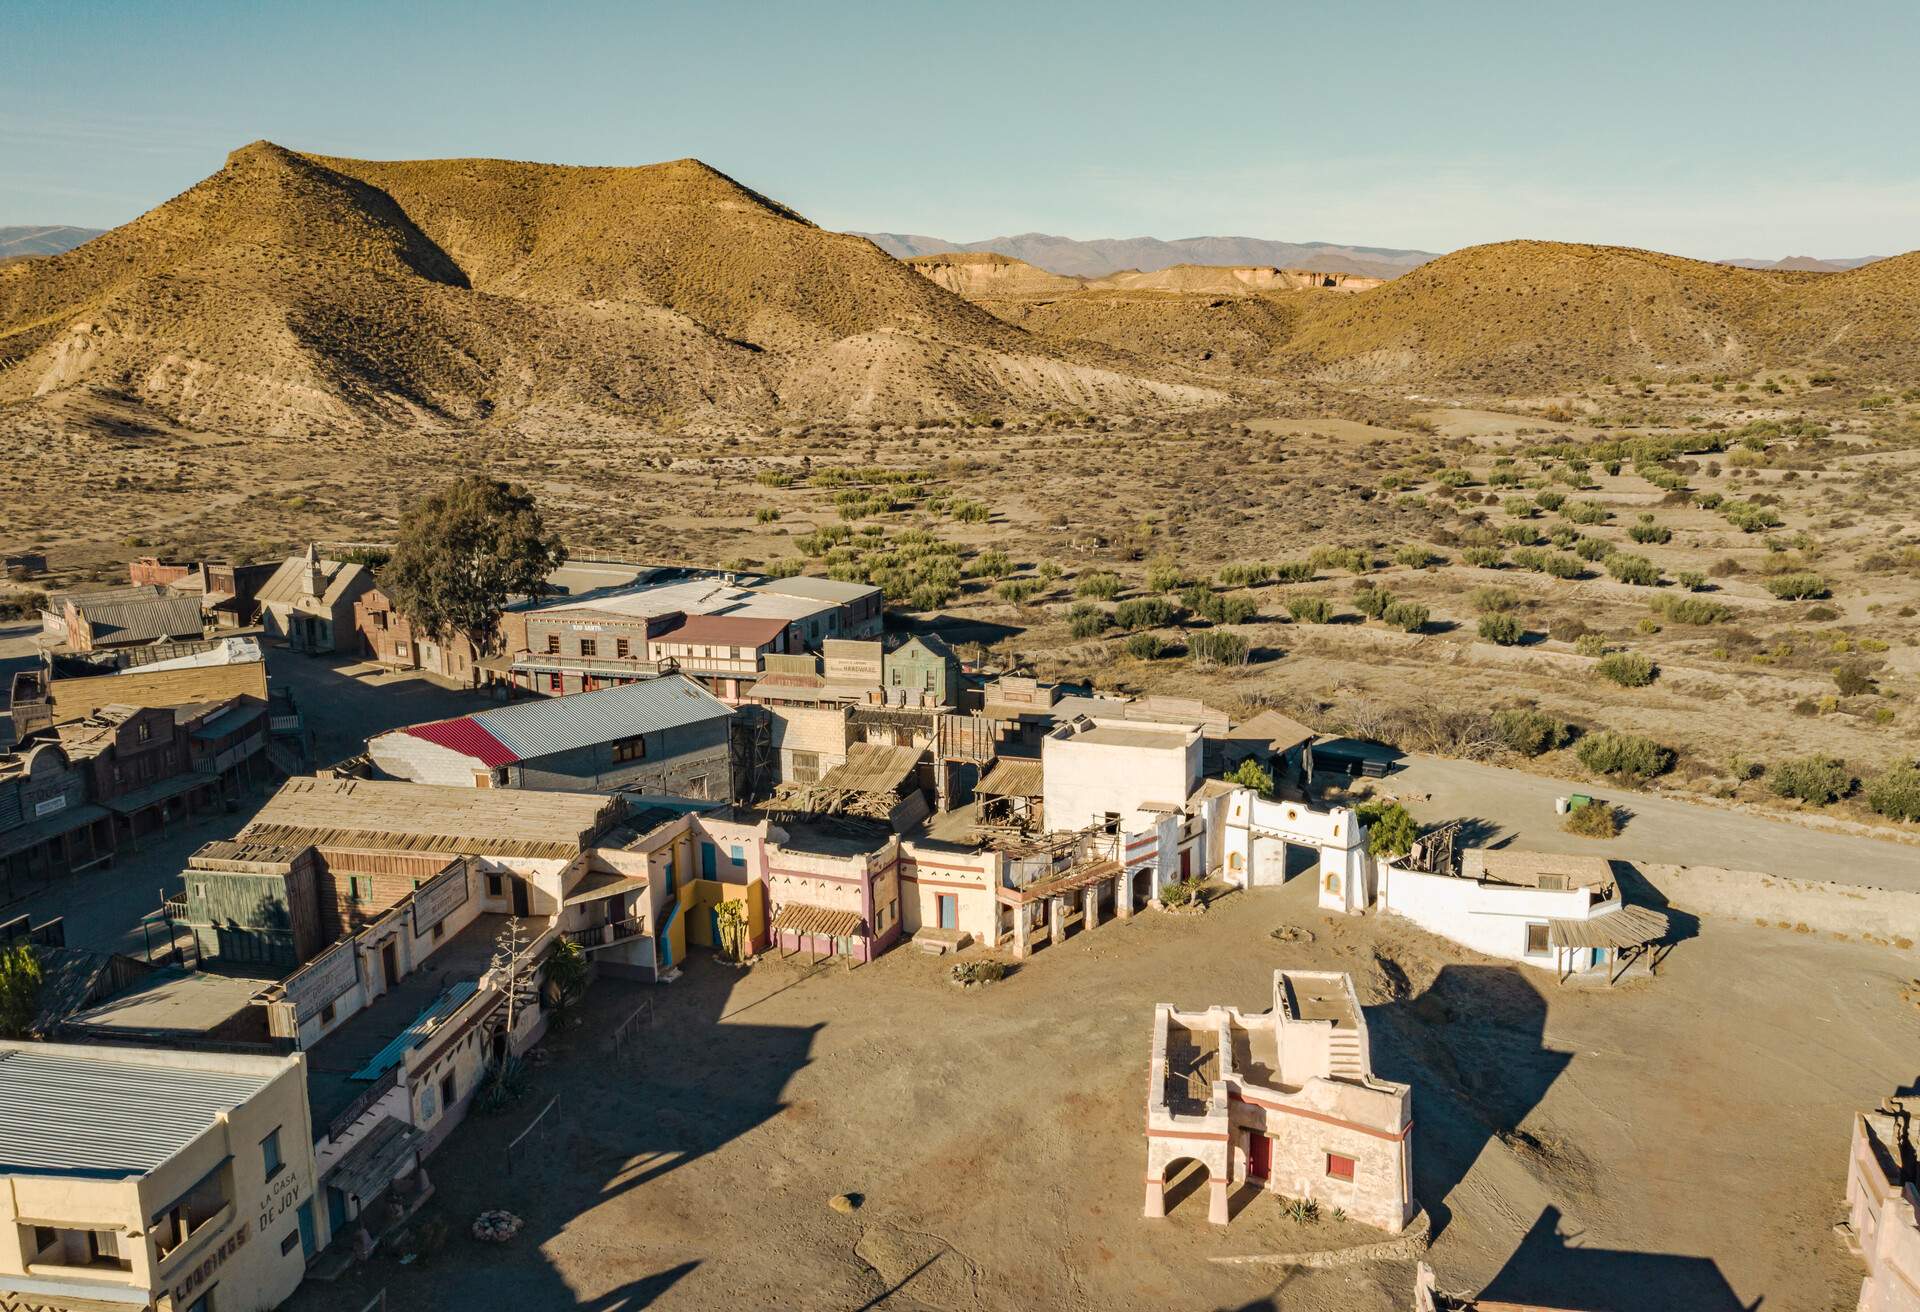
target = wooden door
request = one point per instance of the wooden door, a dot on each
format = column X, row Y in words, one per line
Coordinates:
column 390, row 962
column 520, row 904
column 1259, row 1156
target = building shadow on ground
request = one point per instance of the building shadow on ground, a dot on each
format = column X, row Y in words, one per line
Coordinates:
column 1472, row 1046
column 1638, row 890
column 1551, row 1269
column 702, row 1073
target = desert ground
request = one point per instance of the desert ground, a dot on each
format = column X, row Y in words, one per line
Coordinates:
column 1676, row 1142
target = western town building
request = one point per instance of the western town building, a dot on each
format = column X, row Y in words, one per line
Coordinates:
column 48, row 827
column 1284, row 1100
column 142, row 1178
column 308, row 602
column 390, row 639
column 659, row 735
column 121, row 617
column 1883, row 1205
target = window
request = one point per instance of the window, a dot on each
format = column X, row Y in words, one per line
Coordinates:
column 327, row 1014
column 553, row 683
column 291, row 1242
column 621, row 649
column 1339, row 1166
column 589, row 647
column 190, row 1213
column 145, row 731
column 553, row 644
column 738, row 853
column 439, row 930
column 495, row 886
column 270, row 1154
column 362, row 889
column 1537, row 939
column 805, row 768
column 629, row 749
column 449, row 1089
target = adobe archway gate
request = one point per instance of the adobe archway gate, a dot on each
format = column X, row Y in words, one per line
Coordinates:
column 1266, row 842
column 1214, row 1177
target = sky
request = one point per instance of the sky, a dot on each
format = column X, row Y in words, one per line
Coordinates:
column 1708, row 129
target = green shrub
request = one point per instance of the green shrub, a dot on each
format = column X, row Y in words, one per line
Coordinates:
column 1692, row 610
column 1895, row 792
column 1293, row 571
column 765, row 515
column 1749, row 518
column 1482, row 557
column 1816, row 780
column 1310, row 610
column 1018, row 591
column 1251, row 774
column 1232, row 610
column 1586, row 512
column 1594, row 820
column 1391, row 830
column 773, row 478
column 1371, row 601
column 1531, row 732
column 1407, row 615
column 1623, row 755
column 1797, row 587
column 1164, row 576
column 1099, row 584
column 1636, row 570
column 1692, row 580
column 1087, row 620
column 1211, row 647
column 1244, row 576
column 1415, row 556
column 1550, row 501
column 1559, row 565
column 1144, row 613
column 1502, row 629
column 1494, row 601
column 1852, row 680
column 1593, row 549
column 1650, row 534
column 1145, row 646
column 1518, row 507
column 1629, row 669
column 1522, row 535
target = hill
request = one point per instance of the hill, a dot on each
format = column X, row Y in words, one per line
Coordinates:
column 42, row 239
column 1098, row 259
column 295, row 293
column 1543, row 313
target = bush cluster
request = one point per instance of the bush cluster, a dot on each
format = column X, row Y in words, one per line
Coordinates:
column 1623, row 755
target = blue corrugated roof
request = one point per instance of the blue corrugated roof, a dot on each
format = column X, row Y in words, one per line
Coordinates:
column 441, row 1007
column 561, row 724
column 69, row 1113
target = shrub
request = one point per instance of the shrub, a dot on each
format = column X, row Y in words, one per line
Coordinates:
column 1293, row 571
column 1143, row 613
column 1197, row 597
column 1086, row 620
column 773, row 478
column 1521, row 535
column 1647, row 533
column 1518, row 507
column 1482, row 557
column 1244, row 576
column 1692, row 610
column 1636, row 570
column 1530, row 732
column 1561, row 566
column 765, row 515
column 1407, row 615
column 1251, row 774
column 970, row 512
column 1550, row 501
column 1852, row 680
column 1371, row 601
column 1594, row 820
column 1310, row 610
column 1590, row 644
column 1184, row 893
column 1629, row 669
column 1216, row 647
column 1895, row 792
column 1797, row 587
column 1391, row 830
column 1692, row 580
column 1593, row 548
column 1018, row 591
column 993, row 564
column 1099, row 584
column 1749, row 518
column 968, row 974
column 1623, row 755
column 1415, row 557
column 1145, row 646
column 1816, row 780
column 1494, row 601
column 1231, row 610
column 1502, row 629
column 1586, row 512
column 1163, row 576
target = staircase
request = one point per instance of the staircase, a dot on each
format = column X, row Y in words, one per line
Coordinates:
column 1343, row 1055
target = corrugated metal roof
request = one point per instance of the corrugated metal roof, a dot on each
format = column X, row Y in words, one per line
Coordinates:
column 465, row 737
column 561, row 724
column 815, row 588
column 143, row 620
column 65, row 1113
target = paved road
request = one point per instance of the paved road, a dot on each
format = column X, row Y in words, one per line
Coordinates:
column 1518, row 808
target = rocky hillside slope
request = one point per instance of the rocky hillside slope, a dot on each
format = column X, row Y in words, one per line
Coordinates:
column 295, row 293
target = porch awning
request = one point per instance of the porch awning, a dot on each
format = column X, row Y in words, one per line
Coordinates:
column 1625, row 927
column 376, row 1161
column 801, row 918
column 597, row 884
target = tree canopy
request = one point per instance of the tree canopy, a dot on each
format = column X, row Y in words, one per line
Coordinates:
column 463, row 552
column 1251, row 774
column 1390, row 828
column 20, row 980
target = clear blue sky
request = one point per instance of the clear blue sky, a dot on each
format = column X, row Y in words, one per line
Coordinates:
column 1709, row 129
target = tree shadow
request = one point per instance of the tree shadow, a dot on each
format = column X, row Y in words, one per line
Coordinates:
column 1478, row 831
column 1472, row 1046
column 1550, row 1269
column 642, row 1292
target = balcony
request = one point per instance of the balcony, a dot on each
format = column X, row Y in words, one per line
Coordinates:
column 604, row 935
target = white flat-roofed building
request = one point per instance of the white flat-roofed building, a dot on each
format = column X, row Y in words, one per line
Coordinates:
column 1128, row 775
column 145, row 1178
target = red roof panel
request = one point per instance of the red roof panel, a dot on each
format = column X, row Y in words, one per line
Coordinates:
column 467, row 738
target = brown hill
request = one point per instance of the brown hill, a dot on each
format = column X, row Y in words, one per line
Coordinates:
column 982, row 275
column 293, row 292
column 1521, row 313
column 1233, row 280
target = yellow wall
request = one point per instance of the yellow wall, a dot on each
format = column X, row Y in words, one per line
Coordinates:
column 705, row 894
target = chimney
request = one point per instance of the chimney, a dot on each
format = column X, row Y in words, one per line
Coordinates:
column 316, row 577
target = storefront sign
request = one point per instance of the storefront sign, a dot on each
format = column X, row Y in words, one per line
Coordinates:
column 439, row 898
column 51, row 805
column 324, row 979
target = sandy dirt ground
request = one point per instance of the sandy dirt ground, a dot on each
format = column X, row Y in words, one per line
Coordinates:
column 1674, row 1143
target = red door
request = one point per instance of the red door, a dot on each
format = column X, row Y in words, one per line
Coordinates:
column 1186, row 863
column 1259, row 1156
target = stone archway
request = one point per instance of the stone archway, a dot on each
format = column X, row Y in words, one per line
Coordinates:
column 1179, row 1180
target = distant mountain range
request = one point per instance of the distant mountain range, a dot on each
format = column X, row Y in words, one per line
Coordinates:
column 43, row 239
column 1097, row 259
column 1807, row 263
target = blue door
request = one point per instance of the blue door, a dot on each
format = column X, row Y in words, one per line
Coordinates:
column 706, row 861
column 949, row 910
column 306, row 1229
column 713, row 925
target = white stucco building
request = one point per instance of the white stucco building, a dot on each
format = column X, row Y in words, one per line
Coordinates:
column 1122, row 775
